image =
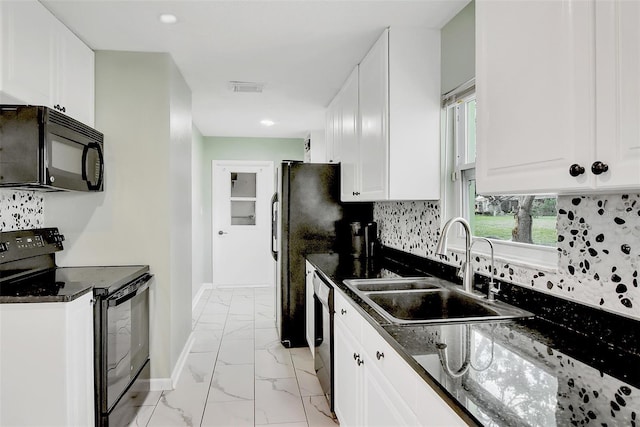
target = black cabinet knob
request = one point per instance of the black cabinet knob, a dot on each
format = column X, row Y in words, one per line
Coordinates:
column 576, row 170
column 598, row 168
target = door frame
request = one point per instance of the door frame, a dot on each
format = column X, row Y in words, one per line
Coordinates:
column 241, row 163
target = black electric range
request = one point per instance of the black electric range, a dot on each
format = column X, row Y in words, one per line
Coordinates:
column 29, row 274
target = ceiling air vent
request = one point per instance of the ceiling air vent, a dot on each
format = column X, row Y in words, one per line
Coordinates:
column 246, row 87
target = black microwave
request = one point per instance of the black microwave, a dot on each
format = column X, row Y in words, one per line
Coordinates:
column 43, row 149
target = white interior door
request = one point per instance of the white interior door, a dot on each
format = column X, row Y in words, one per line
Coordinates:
column 241, row 209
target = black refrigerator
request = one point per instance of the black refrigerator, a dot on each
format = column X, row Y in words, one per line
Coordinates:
column 307, row 217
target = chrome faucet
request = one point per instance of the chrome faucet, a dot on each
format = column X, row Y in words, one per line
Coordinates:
column 465, row 272
column 493, row 289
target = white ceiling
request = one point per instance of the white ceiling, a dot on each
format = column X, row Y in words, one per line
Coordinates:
column 303, row 50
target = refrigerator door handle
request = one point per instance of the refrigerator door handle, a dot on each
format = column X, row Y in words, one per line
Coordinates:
column 274, row 226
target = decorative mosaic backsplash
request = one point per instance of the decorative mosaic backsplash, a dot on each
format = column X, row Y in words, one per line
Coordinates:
column 598, row 247
column 20, row 210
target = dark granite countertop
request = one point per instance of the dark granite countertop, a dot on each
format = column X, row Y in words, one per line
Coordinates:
column 65, row 284
column 509, row 373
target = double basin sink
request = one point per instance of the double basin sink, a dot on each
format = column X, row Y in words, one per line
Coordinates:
column 429, row 300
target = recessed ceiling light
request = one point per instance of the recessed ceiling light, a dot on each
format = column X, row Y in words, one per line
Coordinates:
column 168, row 18
column 267, row 122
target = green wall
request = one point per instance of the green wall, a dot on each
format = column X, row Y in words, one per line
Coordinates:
column 238, row 148
column 458, row 46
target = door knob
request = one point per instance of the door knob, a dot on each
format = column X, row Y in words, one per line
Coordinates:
column 598, row 167
column 576, row 170
column 222, row 232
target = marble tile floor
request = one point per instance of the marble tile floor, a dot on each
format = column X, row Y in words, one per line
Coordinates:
column 238, row 373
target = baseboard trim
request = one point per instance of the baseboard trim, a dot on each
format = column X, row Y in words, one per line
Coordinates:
column 160, row 384
column 181, row 361
column 196, row 298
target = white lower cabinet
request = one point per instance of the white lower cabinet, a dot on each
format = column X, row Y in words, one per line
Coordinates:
column 373, row 385
column 46, row 363
column 347, row 377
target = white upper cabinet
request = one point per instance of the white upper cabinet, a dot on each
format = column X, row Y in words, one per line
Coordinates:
column 27, row 52
column 618, row 93
column 74, row 90
column 43, row 62
column 347, row 141
column 540, row 129
column 395, row 151
column 373, row 117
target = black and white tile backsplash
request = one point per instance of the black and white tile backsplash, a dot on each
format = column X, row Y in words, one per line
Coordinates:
column 20, row 210
column 598, row 248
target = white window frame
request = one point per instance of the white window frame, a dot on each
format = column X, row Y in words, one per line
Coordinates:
column 453, row 200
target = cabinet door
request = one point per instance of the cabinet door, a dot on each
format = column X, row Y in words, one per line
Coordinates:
column 349, row 139
column 328, row 133
column 535, row 95
column 74, row 84
column 618, row 86
column 26, row 52
column 382, row 405
column 310, row 312
column 374, row 121
column 347, row 374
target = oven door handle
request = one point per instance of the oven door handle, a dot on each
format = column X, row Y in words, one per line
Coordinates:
column 142, row 286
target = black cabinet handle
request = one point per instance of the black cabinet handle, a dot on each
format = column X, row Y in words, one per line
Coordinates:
column 356, row 356
column 360, row 362
column 356, row 193
column 379, row 355
column 343, row 311
column 576, row 170
column 598, row 168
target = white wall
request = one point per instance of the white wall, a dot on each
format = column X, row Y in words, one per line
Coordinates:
column 180, row 225
column 144, row 215
column 198, row 215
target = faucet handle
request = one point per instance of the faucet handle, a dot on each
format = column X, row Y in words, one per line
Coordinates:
column 462, row 269
column 494, row 289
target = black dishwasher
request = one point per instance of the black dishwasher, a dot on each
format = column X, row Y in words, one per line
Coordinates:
column 323, row 296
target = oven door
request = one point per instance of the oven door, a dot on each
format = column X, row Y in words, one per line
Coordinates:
column 123, row 342
column 323, row 360
column 73, row 165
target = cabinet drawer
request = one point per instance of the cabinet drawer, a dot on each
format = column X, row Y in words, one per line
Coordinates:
column 380, row 354
column 347, row 314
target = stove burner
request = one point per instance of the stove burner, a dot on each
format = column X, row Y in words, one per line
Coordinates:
column 37, row 287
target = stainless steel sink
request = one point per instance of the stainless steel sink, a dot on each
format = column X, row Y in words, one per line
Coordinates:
column 397, row 284
column 429, row 300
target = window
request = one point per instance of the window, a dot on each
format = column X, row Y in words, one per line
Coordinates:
column 243, row 198
column 524, row 223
